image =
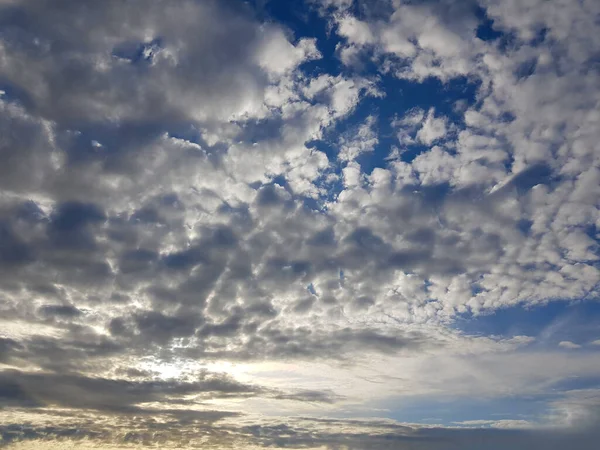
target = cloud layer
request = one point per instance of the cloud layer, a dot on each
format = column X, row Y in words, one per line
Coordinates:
column 212, row 212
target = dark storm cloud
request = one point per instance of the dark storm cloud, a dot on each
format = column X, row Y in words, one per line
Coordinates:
column 66, row 311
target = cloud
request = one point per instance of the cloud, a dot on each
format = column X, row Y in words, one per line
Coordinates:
column 195, row 183
column 569, row 345
column 127, row 67
column 364, row 140
column 132, row 396
column 432, row 129
column 431, row 37
column 310, row 433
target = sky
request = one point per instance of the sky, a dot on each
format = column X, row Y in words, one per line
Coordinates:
column 304, row 224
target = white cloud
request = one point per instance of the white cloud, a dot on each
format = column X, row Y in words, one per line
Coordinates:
column 435, row 41
column 351, row 175
column 432, row 129
column 363, row 140
column 568, row 345
column 435, row 166
column 277, row 55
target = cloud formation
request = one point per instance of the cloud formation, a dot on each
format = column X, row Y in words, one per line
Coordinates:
column 212, row 212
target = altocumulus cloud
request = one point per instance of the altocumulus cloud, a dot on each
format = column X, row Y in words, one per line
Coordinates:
column 325, row 224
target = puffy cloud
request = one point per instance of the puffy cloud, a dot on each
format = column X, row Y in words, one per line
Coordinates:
column 364, row 140
column 569, row 345
column 417, row 40
column 432, row 129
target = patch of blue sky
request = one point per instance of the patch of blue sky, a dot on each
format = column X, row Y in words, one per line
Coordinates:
column 11, row 93
column 486, row 30
column 402, row 96
column 574, row 383
column 506, row 40
column 551, row 324
column 449, row 411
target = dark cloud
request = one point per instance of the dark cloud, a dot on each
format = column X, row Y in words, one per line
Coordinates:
column 13, row 251
column 158, row 327
column 304, row 343
column 60, row 311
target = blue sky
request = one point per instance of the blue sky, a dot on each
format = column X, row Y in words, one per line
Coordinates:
column 315, row 224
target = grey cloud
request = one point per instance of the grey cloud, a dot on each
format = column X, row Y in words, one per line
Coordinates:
column 70, row 88
column 310, row 396
column 76, row 391
column 7, row 346
column 13, row 251
column 66, row 311
column 156, row 326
